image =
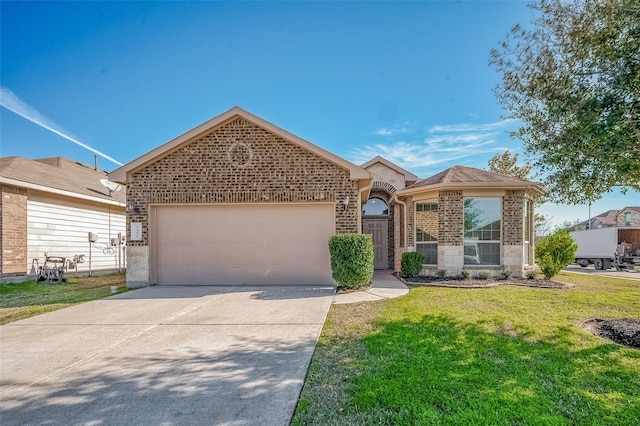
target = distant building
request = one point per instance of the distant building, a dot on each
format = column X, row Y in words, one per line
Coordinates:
column 50, row 205
column 628, row 216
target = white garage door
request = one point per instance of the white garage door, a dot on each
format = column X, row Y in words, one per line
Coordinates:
column 243, row 244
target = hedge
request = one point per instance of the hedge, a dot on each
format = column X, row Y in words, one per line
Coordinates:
column 351, row 259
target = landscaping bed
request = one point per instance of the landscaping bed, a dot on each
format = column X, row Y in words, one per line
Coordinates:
column 624, row 331
column 459, row 282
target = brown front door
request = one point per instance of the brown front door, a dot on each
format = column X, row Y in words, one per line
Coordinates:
column 379, row 229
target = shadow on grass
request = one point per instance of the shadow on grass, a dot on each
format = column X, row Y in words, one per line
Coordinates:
column 440, row 371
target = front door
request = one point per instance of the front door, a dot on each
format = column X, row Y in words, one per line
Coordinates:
column 379, row 229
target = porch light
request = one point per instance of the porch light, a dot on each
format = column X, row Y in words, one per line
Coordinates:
column 345, row 203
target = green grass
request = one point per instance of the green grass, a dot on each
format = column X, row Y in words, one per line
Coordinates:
column 498, row 356
column 30, row 298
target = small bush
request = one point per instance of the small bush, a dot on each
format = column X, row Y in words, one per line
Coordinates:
column 484, row 275
column 465, row 274
column 411, row 264
column 531, row 274
column 504, row 274
column 440, row 273
column 351, row 259
column 555, row 252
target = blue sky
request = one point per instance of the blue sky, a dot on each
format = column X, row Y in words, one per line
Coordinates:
column 406, row 80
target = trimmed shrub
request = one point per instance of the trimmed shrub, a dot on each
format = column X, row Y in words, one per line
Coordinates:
column 411, row 264
column 351, row 259
column 465, row 274
column 440, row 273
column 504, row 274
column 555, row 252
column 531, row 274
column 484, row 275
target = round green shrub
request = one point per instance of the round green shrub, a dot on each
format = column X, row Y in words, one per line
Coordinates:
column 411, row 264
column 351, row 259
column 555, row 252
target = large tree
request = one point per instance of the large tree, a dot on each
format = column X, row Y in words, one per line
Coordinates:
column 573, row 81
column 507, row 164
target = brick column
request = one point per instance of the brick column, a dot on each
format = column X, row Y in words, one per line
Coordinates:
column 13, row 222
column 450, row 231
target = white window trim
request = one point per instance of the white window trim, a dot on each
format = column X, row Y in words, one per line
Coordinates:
column 499, row 242
column 415, row 229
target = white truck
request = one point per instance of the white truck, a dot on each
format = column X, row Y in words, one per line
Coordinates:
column 607, row 247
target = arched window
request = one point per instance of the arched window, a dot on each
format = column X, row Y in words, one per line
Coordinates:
column 375, row 207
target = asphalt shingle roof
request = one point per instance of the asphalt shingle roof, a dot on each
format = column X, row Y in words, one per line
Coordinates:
column 59, row 173
column 462, row 175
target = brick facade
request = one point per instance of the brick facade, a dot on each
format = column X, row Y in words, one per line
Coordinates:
column 240, row 162
column 513, row 217
column 13, row 222
column 631, row 213
column 451, row 218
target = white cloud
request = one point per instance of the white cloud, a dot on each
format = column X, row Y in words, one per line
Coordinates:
column 441, row 146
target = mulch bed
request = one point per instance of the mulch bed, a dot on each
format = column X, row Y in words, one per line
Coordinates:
column 624, row 331
column 457, row 282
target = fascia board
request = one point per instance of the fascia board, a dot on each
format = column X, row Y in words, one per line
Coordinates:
column 22, row 184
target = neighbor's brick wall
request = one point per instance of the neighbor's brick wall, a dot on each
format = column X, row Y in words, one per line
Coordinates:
column 450, row 218
column 13, row 223
column 513, row 217
column 242, row 163
column 621, row 218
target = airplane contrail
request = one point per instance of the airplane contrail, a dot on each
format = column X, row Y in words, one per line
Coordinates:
column 14, row 104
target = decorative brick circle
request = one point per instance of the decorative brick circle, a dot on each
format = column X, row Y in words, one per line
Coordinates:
column 240, row 154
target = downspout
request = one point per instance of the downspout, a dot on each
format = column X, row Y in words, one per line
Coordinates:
column 395, row 199
column 360, row 192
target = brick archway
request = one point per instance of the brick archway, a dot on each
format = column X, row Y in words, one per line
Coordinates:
column 383, row 191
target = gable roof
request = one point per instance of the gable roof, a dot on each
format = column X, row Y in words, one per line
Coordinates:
column 408, row 176
column 607, row 218
column 59, row 175
column 120, row 174
column 634, row 208
column 459, row 177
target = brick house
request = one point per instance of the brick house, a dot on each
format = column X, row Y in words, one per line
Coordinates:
column 49, row 205
column 238, row 200
column 628, row 216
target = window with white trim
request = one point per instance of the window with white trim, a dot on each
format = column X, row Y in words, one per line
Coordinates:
column 426, row 221
column 482, row 231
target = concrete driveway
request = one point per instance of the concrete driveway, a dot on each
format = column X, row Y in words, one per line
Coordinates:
column 164, row 355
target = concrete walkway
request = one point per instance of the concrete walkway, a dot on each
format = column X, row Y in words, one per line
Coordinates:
column 384, row 286
column 164, row 355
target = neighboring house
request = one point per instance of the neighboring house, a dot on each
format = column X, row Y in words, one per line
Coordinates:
column 238, row 200
column 49, row 206
column 628, row 216
column 603, row 220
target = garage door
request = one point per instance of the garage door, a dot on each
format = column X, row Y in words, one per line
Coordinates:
column 243, row 244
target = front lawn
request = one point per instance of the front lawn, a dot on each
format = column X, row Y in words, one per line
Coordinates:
column 30, row 298
column 496, row 356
